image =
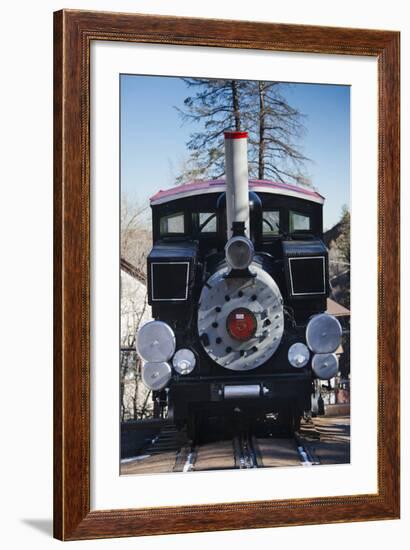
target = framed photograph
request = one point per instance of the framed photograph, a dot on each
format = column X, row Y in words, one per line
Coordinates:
column 226, row 275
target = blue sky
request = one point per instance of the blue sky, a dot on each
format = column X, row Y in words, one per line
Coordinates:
column 153, row 137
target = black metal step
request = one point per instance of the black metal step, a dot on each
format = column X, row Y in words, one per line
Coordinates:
column 169, row 439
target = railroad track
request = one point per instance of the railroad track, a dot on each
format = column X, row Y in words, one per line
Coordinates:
column 245, row 452
column 324, row 441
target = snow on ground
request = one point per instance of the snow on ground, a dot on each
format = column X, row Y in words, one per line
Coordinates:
column 134, row 308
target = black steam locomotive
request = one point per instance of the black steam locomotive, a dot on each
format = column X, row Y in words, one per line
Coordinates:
column 238, row 284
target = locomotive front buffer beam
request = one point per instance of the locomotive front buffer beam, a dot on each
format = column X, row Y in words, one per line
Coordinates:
column 261, row 397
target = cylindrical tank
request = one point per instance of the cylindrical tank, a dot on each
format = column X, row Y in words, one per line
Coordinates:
column 236, row 170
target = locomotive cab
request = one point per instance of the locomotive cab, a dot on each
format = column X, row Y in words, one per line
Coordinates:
column 238, row 282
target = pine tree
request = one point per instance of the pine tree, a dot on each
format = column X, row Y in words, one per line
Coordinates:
column 275, row 128
column 343, row 241
column 216, row 103
column 260, row 108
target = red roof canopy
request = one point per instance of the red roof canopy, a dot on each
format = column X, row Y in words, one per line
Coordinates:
column 218, row 186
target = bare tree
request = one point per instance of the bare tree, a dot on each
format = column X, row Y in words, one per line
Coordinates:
column 135, row 245
column 135, row 233
column 134, row 396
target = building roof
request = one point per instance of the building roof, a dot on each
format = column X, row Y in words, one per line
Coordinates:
column 218, row 186
column 333, row 308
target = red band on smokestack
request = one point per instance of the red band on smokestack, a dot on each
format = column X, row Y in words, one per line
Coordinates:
column 235, row 135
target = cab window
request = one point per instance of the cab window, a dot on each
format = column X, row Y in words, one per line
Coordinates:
column 172, row 224
column 299, row 222
column 207, row 222
column 270, row 222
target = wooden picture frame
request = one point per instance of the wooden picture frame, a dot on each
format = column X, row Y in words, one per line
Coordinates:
column 74, row 32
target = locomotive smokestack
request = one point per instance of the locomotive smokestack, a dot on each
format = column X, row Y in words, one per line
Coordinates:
column 236, row 169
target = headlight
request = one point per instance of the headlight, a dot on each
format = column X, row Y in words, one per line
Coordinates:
column 323, row 333
column 325, row 365
column 184, row 361
column 298, row 355
column 239, row 252
column 156, row 342
column 156, row 375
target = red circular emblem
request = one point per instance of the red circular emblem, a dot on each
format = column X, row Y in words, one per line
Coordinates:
column 241, row 324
